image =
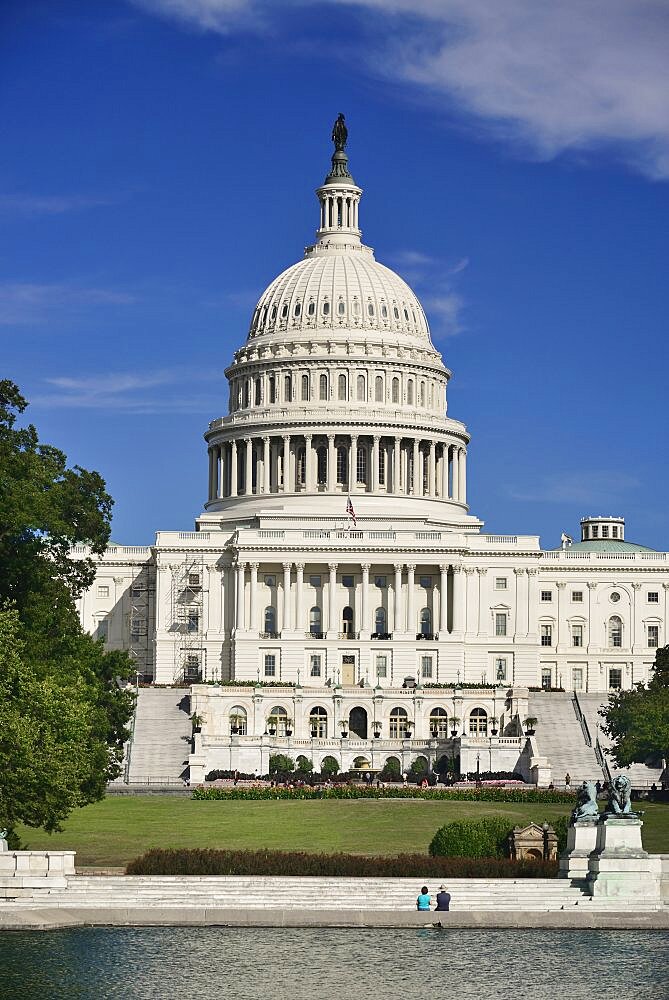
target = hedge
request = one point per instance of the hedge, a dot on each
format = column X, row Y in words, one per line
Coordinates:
column 420, row 866
column 364, row 792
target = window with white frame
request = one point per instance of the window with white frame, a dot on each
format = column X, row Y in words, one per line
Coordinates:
column 238, row 720
column 315, row 621
column 378, row 389
column 615, row 678
column 270, row 620
column 380, row 581
column 653, row 597
column 323, row 387
column 577, row 678
column 478, row 722
column 577, row 635
column 102, row 631
column 546, row 635
column 193, row 621
column 270, row 665
column 500, row 622
column 395, row 390
column 361, row 388
column 399, row 722
column 103, row 590
column 361, row 464
column 315, row 661
column 501, row 583
column 653, row 636
column 615, row 631
column 341, row 388
column 546, row 596
column 305, row 388
column 342, row 464
column 318, row 722
column 500, row 668
column 382, row 466
column 380, row 622
column 426, row 667
column 577, row 596
column 382, row 665
column 439, row 723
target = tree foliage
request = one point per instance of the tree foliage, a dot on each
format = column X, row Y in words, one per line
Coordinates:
column 281, row 763
column 638, row 720
column 63, row 711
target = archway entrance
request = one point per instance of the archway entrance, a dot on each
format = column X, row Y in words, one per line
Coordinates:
column 357, row 722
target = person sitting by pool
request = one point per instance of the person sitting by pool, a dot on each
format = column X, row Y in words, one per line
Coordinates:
column 423, row 901
column 443, row 899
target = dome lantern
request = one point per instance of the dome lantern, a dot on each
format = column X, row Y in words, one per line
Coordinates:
column 339, row 197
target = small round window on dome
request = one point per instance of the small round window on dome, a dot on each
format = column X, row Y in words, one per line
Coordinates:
column 615, row 597
column 326, row 308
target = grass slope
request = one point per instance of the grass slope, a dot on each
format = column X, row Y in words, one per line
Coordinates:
column 119, row 828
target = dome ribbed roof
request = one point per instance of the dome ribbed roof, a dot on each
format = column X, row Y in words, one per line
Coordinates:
column 340, row 290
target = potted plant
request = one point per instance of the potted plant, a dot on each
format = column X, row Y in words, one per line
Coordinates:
column 407, row 731
column 271, row 724
column 455, row 722
column 377, row 730
column 314, row 734
column 493, row 726
column 343, row 725
column 434, row 732
column 235, row 724
column 529, row 723
column 196, row 722
column 289, row 726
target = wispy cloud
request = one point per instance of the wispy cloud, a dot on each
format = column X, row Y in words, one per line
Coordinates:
column 35, row 205
column 435, row 282
column 24, row 303
column 594, row 488
column 166, row 390
column 545, row 78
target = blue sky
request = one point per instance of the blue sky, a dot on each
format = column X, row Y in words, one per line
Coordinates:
column 158, row 166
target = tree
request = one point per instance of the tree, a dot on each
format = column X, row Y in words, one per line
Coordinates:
column 64, row 711
column 281, row 763
column 638, row 720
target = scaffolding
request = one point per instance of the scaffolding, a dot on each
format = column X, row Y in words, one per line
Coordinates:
column 142, row 601
column 188, row 602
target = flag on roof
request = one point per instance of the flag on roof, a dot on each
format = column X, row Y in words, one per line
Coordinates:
column 351, row 512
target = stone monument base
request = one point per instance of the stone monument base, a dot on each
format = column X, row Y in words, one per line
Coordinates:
column 581, row 842
column 618, row 865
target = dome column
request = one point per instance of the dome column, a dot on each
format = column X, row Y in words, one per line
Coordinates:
column 463, row 476
column 212, row 468
column 332, row 464
column 455, row 475
column 266, row 464
column 285, row 623
column 285, row 463
column 431, row 463
column 353, row 463
column 398, row 623
column 416, row 470
column 332, row 595
column 411, row 620
column 308, row 464
column 375, row 463
column 396, row 465
column 248, row 472
column 444, row 472
column 239, row 618
column 233, row 468
column 443, row 600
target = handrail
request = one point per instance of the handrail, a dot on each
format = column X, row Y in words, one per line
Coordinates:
column 582, row 719
column 602, row 761
column 131, row 738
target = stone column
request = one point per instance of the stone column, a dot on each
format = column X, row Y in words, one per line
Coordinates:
column 398, row 619
column 521, row 629
column 364, row 624
column 463, row 476
column 299, row 583
column 459, row 599
column 455, row 476
column 375, row 463
column 416, row 489
column 332, row 464
column 396, row 465
column 443, row 600
column 444, row 472
column 332, row 593
column 431, row 465
column 561, row 639
column 632, row 644
column 253, row 625
column 471, row 617
column 411, row 613
column 353, row 463
column 248, row 474
column 233, row 469
column 265, row 464
column 484, row 621
column 286, row 623
column 532, row 602
column 212, row 468
column 239, row 622
column 285, row 463
column 308, row 470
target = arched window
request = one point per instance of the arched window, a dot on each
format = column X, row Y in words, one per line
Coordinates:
column 301, row 465
column 410, row 392
column 347, row 621
column 238, row 720
column 284, row 310
column 342, row 464
column 247, row 395
column 305, row 388
column 272, row 389
column 297, row 310
column 288, row 389
column 395, row 391
column 326, row 308
column 384, row 311
column 478, row 722
column 439, row 723
column 422, row 394
column 318, row 722
column 323, row 387
column 258, row 392
column 382, row 466
column 425, row 621
column 361, row 389
column 370, row 309
column 341, row 308
column 312, row 309
column 278, row 720
column 380, row 621
column 322, row 465
column 378, row 389
column 361, row 464
column 399, row 722
column 396, row 312
column 341, row 387
column 270, row 620
column 615, row 631
column 315, row 621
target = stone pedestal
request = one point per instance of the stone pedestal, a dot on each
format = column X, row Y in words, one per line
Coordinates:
column 581, row 842
column 619, row 866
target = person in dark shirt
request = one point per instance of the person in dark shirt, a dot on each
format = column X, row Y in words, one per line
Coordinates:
column 443, row 899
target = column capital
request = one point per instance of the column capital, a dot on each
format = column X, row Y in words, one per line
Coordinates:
column 458, row 568
column 520, row 570
column 470, row 570
column 254, row 567
column 443, row 567
column 665, row 586
column 592, row 585
column 331, row 437
column 481, row 570
column 240, row 564
column 300, row 567
column 333, row 567
column 376, row 438
column 308, row 437
column 398, row 567
column 365, row 567
column 636, row 586
column 265, row 438
column 286, row 437
column 561, row 584
column 410, row 567
column 532, row 572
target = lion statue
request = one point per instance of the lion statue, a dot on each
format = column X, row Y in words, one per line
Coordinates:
column 620, row 795
column 586, row 802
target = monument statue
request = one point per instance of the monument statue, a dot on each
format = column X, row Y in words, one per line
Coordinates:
column 620, row 796
column 586, row 802
column 340, row 133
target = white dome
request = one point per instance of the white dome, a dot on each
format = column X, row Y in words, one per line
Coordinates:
column 340, row 289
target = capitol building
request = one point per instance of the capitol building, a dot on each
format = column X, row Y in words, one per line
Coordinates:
column 338, row 598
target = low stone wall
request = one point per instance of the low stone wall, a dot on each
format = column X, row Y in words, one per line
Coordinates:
column 21, row 872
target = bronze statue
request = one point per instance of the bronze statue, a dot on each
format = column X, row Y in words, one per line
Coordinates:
column 586, row 802
column 620, row 795
column 339, row 133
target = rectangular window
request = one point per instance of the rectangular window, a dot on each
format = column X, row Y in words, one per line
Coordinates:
column 270, row 665
column 381, row 666
column 103, row 591
column 137, row 591
column 426, row 666
column 615, row 678
column 546, row 678
column 605, row 531
column 500, row 583
column 577, row 635
column 382, row 467
column 653, row 636
column 653, row 597
column 270, row 581
column 103, row 629
column 194, row 580
column 500, row 624
column 315, row 661
column 614, row 531
column 577, row 678
column 595, row 531
column 380, row 581
column 425, row 582
column 500, row 668
column 577, row 596
column 546, row 595
column 315, row 581
column 348, row 582
column 193, row 621
column 546, row 635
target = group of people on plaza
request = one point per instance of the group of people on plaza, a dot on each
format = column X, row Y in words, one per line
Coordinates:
column 424, row 899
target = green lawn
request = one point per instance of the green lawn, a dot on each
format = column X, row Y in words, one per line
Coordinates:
column 114, row 831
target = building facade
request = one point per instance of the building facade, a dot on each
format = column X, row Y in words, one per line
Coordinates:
column 336, row 580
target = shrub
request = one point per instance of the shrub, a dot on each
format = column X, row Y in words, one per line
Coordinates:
column 396, row 792
column 304, row 765
column 419, row 866
column 329, row 765
column 472, row 838
column 281, row 763
column 560, row 826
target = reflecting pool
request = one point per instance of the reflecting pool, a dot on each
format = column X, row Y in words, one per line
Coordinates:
column 307, row 964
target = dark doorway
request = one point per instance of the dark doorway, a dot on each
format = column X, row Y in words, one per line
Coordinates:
column 357, row 722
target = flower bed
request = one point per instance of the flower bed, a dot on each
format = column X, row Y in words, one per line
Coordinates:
column 484, row 794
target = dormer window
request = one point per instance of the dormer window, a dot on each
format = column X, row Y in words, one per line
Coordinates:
column 298, row 309
column 384, row 311
column 370, row 309
column 312, row 309
column 341, row 308
column 284, row 310
column 326, row 308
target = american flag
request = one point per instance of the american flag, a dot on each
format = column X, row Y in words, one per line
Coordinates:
column 351, row 512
